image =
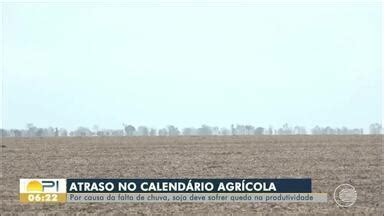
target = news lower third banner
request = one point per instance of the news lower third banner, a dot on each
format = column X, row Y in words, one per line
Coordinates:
column 168, row 190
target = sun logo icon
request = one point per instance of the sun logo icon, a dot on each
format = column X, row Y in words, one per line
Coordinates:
column 34, row 186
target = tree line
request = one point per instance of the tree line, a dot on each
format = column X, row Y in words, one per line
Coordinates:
column 171, row 130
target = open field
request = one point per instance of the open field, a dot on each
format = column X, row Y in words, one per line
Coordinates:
column 328, row 160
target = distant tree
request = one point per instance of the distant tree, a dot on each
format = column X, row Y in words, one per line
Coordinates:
column 299, row 130
column 31, row 130
column 249, row 129
column 259, row 131
column 129, row 130
column 142, row 131
column 116, row 132
column 15, row 133
column 82, row 131
column 240, row 130
column 163, row 132
column 225, row 131
column 204, row 130
column 375, row 128
column 50, row 131
column 328, row 130
column 233, row 130
column 100, row 133
column 4, row 133
column 173, row 131
column 63, row 132
column 189, row 131
column 95, row 129
column 30, row 126
column 285, row 130
column 358, row 131
column 215, row 131
column 344, row 130
column 152, row 132
column 40, row 132
column 316, row 130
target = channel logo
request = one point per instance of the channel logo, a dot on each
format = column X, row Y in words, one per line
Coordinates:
column 43, row 186
column 43, row 190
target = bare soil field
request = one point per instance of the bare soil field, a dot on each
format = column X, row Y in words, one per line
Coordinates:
column 328, row 160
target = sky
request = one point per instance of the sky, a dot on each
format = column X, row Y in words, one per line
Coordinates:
column 69, row 65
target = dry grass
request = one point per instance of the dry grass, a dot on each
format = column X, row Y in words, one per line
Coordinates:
column 328, row 160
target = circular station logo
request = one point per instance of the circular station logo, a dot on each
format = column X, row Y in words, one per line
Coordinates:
column 345, row 195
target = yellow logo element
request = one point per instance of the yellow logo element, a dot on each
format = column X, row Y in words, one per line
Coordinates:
column 34, row 186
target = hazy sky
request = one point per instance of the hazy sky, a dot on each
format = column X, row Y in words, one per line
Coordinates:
column 70, row 65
